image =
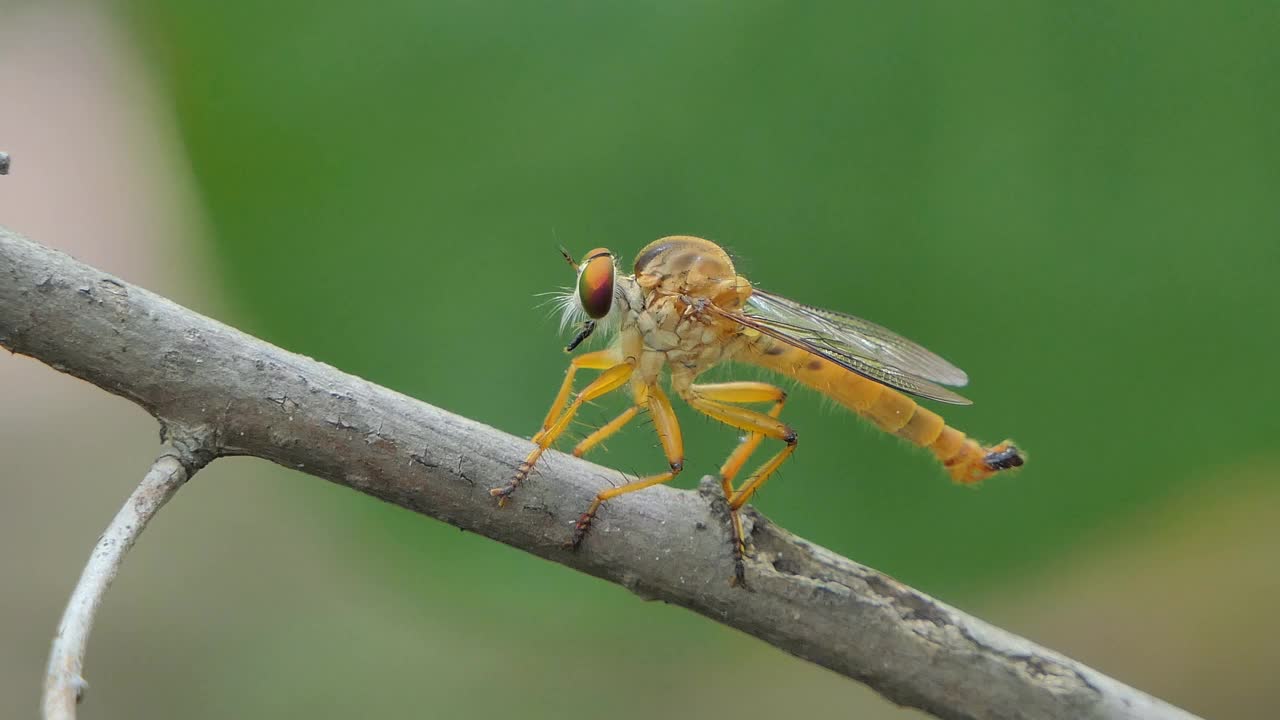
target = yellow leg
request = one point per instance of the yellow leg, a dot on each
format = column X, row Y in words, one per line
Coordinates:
column 608, row 381
column 600, row 360
column 742, row 392
column 711, row 399
column 757, row 479
column 605, row 431
column 664, row 421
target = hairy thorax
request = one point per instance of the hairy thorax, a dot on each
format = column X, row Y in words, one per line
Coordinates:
column 665, row 321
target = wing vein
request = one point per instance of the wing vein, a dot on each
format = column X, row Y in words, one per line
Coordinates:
column 854, row 336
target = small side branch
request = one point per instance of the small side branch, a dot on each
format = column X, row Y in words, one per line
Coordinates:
column 64, row 686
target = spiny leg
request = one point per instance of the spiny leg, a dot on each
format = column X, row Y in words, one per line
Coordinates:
column 668, row 429
column 604, row 431
column 599, row 360
column 759, row 477
column 614, row 377
column 742, row 392
column 712, row 400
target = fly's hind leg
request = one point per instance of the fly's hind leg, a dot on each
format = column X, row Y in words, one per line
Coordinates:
column 668, row 429
column 713, row 400
column 615, row 375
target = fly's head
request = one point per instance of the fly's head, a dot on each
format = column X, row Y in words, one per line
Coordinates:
column 590, row 301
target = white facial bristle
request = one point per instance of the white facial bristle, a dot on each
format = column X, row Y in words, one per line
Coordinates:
column 564, row 302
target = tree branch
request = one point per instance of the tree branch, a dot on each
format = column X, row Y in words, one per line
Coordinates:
column 251, row 398
column 63, row 685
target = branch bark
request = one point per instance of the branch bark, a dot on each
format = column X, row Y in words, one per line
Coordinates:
column 196, row 375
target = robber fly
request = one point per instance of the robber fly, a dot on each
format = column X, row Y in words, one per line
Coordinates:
column 685, row 309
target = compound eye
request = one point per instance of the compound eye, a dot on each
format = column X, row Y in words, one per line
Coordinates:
column 595, row 283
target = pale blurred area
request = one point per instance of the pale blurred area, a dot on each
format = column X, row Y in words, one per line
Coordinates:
column 240, row 602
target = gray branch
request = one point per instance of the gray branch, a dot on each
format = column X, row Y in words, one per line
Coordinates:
column 64, row 686
column 196, row 375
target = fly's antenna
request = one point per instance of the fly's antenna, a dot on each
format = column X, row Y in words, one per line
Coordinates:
column 556, row 235
column 568, row 258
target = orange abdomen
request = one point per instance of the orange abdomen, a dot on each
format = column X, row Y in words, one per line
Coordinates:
column 890, row 410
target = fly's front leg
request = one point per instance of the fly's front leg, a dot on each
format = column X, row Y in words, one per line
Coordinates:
column 615, row 375
column 599, row 360
column 712, row 400
column 668, row 429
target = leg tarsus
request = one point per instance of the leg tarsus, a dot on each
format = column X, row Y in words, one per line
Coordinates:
column 504, row 492
column 738, row 543
column 581, row 527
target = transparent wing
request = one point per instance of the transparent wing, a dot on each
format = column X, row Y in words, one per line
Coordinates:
column 849, row 335
column 800, row 328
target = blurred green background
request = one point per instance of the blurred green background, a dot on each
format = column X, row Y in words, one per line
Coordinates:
column 1079, row 203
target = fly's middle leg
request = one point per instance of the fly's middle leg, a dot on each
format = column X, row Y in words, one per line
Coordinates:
column 605, row 431
column 668, row 429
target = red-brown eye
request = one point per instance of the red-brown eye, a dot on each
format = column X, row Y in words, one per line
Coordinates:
column 595, row 283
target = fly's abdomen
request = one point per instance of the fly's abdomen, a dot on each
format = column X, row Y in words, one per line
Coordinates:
column 965, row 460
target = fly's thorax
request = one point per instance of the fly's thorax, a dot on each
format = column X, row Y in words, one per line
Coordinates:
column 660, row 306
column 656, row 322
column 648, row 368
column 681, row 336
column 704, row 341
column 692, row 266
